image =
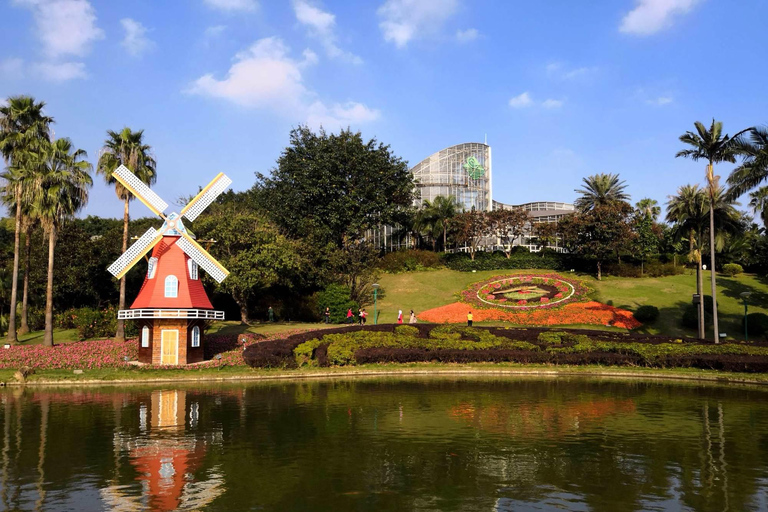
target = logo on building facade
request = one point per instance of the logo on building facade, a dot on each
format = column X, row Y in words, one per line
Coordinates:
column 474, row 169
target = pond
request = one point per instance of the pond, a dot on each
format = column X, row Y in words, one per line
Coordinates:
column 507, row 444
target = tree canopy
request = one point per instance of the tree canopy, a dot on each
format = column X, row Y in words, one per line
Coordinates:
column 333, row 187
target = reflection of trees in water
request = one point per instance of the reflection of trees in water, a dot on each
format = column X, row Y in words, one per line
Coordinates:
column 341, row 445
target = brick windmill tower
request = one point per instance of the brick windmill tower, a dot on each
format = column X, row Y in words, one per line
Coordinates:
column 172, row 306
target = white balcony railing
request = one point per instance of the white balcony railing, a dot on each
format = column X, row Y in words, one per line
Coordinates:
column 136, row 314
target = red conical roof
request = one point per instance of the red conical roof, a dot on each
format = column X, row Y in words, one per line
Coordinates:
column 171, row 260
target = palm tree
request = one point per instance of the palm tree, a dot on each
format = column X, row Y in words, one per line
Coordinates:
column 23, row 129
column 441, row 210
column 754, row 169
column 759, row 203
column 649, row 208
column 27, row 223
column 714, row 147
column 600, row 189
column 126, row 148
column 62, row 191
column 687, row 211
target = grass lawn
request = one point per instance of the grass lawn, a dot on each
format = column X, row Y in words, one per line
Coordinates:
column 425, row 290
column 266, row 328
column 59, row 336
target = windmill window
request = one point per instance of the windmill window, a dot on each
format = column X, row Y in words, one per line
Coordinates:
column 152, row 268
column 145, row 336
column 171, row 287
column 196, row 336
column 192, row 269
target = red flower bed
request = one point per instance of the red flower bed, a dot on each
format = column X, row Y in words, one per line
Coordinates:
column 592, row 313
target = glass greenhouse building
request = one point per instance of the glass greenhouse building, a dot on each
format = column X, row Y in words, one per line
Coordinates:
column 463, row 171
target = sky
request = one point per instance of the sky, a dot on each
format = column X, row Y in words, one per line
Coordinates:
column 562, row 89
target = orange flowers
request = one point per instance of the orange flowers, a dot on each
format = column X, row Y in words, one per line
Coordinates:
column 592, row 313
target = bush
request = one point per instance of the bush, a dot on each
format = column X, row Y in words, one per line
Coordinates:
column 409, row 261
column 757, row 325
column 336, row 297
column 646, row 314
column 498, row 261
column 95, row 323
column 732, row 269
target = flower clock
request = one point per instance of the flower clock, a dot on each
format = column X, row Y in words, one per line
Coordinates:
column 525, row 291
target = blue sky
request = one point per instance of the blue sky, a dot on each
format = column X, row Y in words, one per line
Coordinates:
column 563, row 89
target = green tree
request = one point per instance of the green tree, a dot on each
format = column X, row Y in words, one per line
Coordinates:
column 758, row 201
column 332, row 188
column 599, row 233
column 754, row 170
column 546, row 233
column 647, row 238
column 250, row 247
column 600, row 189
column 508, row 226
column 23, row 130
column 649, row 207
column 64, row 180
column 469, row 229
column 127, row 148
column 687, row 211
column 714, row 147
column 441, row 210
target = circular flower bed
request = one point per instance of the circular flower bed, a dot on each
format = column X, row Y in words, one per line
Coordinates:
column 525, row 291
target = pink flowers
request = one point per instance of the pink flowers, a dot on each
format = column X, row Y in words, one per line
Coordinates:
column 522, row 302
column 490, row 297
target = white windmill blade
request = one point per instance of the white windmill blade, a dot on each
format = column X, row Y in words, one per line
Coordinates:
column 135, row 252
column 139, row 189
column 202, row 258
column 206, row 196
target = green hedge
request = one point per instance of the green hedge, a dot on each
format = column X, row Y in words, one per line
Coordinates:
column 498, row 261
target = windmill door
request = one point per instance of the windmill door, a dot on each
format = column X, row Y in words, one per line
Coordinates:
column 170, row 347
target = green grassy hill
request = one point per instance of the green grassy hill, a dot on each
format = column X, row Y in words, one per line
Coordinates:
column 425, row 290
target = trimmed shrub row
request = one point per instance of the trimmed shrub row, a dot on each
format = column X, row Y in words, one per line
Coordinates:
column 459, row 344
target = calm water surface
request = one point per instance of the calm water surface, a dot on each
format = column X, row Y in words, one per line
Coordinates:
column 387, row 444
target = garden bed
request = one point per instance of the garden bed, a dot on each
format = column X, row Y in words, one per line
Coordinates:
column 458, row 344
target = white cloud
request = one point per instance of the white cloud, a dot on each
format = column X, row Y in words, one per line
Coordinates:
column 321, row 25
column 340, row 116
column 59, row 72
column 65, row 27
column 136, row 41
column 650, row 16
column 552, row 103
column 233, row 5
column 558, row 70
column 521, row 101
column 465, row 36
column 660, row 101
column 12, row 68
column 525, row 100
column 265, row 76
column 404, row 20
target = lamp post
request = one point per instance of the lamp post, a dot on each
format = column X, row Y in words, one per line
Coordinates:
column 375, row 294
column 745, row 296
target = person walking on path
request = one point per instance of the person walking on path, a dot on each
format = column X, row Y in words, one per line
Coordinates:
column 400, row 316
column 360, row 316
column 271, row 314
column 364, row 316
column 327, row 315
column 350, row 316
column 469, row 319
column 412, row 320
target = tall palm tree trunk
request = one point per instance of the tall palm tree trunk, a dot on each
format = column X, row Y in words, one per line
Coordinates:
column 712, row 270
column 445, row 238
column 120, row 334
column 700, row 305
column 24, row 329
column 48, row 338
column 15, row 278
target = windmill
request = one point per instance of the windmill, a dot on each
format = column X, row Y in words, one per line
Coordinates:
column 172, row 305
